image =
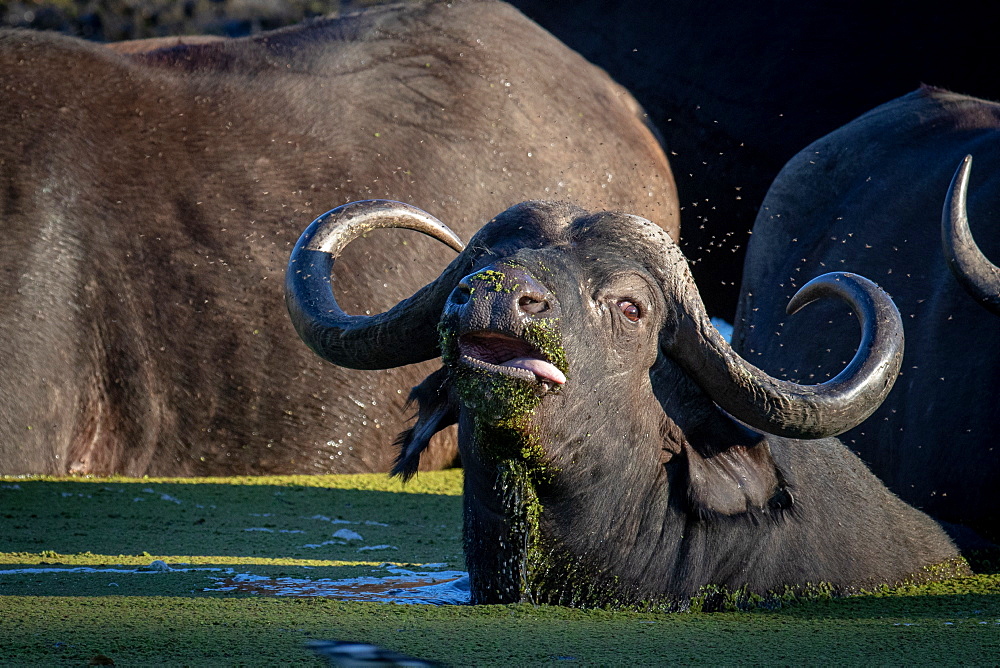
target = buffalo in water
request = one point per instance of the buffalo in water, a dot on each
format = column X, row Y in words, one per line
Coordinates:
column 149, row 199
column 616, row 449
column 868, row 199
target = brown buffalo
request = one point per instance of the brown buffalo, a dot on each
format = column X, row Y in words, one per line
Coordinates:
column 148, row 203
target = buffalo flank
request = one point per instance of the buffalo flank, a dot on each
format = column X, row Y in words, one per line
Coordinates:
column 868, row 199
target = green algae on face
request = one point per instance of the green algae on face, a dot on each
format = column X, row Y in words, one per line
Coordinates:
column 544, row 335
column 502, row 407
column 494, row 280
column 496, row 398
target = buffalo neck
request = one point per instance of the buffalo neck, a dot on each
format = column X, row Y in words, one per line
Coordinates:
column 504, row 464
column 538, row 528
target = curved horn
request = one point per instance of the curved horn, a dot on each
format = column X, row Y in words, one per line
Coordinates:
column 789, row 409
column 976, row 274
column 405, row 334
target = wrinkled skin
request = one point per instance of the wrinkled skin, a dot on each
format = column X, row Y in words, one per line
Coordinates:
column 737, row 89
column 148, row 203
column 868, row 199
column 597, row 468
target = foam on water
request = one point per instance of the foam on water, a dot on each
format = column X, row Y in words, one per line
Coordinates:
column 437, row 587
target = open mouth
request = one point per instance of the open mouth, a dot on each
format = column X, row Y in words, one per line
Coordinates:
column 506, row 355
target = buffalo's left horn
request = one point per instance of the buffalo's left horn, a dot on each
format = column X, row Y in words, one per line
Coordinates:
column 790, row 409
column 770, row 404
column 975, row 273
column 405, row 334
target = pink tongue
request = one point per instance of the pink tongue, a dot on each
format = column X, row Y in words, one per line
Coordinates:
column 542, row 369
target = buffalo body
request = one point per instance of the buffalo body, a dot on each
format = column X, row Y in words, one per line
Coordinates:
column 148, row 203
column 868, row 199
column 737, row 89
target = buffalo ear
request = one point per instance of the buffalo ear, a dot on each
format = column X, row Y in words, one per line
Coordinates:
column 731, row 471
column 435, row 411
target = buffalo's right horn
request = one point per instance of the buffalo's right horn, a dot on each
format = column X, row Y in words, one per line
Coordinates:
column 405, row 334
column 975, row 273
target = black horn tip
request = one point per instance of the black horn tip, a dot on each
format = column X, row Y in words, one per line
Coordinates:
column 851, row 287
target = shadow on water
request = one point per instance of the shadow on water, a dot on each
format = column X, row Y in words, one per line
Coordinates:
column 294, row 521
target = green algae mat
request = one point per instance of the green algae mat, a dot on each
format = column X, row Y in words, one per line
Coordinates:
column 246, row 571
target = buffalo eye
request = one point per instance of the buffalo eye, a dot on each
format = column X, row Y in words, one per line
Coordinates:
column 629, row 310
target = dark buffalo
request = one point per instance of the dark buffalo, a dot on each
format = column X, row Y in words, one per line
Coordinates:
column 602, row 417
column 867, row 199
column 148, row 203
column 738, row 88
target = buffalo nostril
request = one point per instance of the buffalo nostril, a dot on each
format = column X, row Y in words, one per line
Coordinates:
column 533, row 305
column 461, row 294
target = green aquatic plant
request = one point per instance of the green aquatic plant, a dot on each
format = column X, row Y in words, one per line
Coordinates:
column 169, row 618
column 494, row 279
